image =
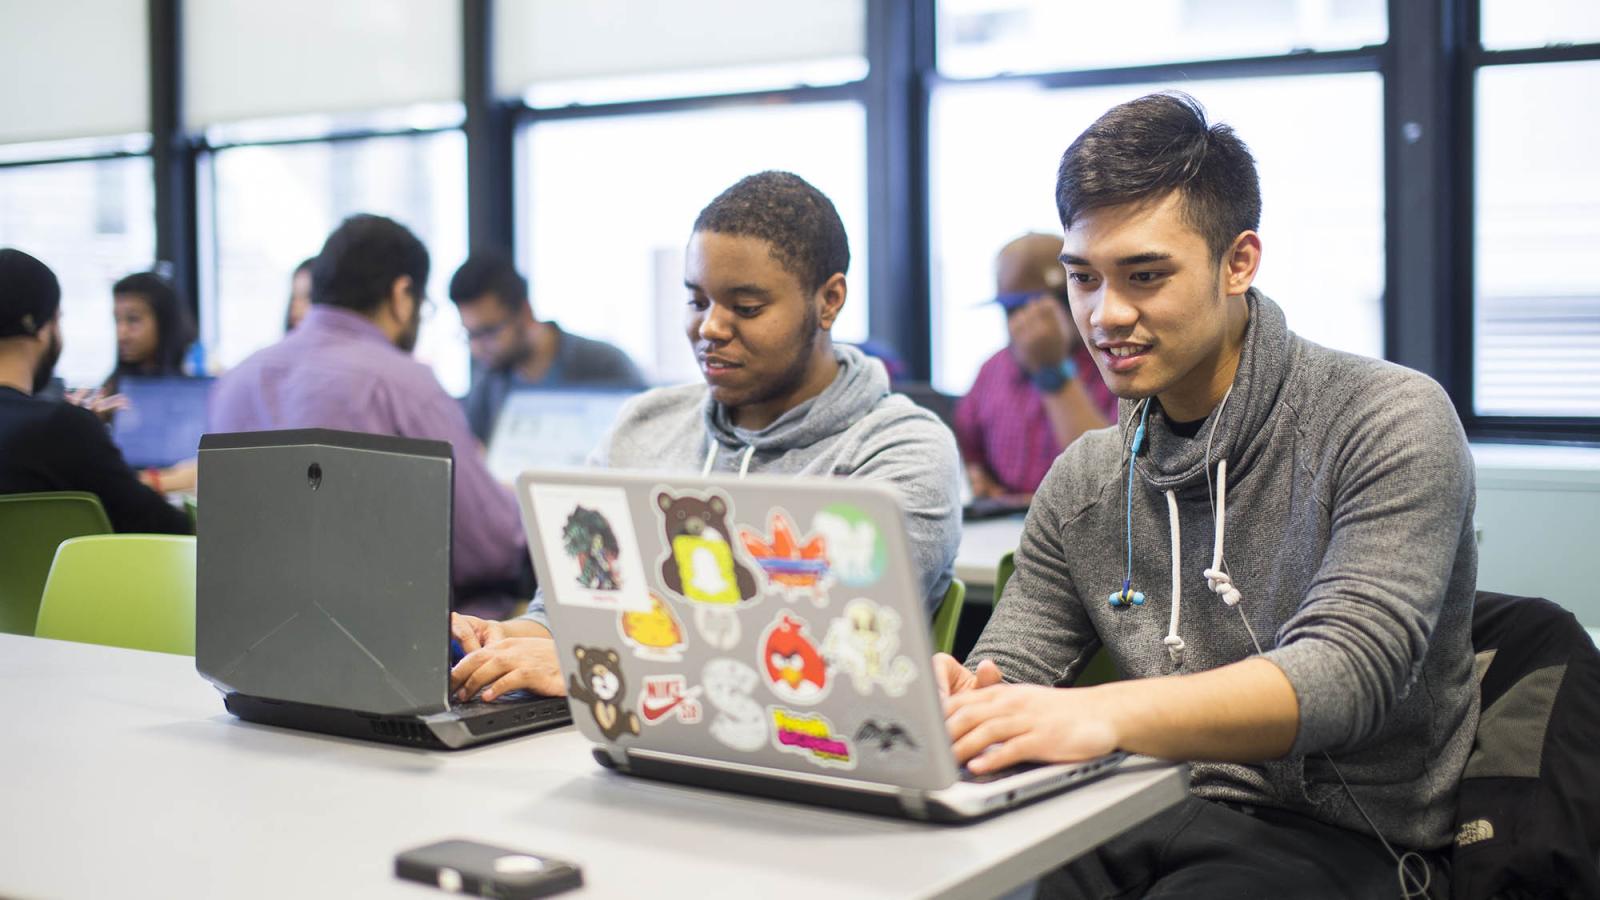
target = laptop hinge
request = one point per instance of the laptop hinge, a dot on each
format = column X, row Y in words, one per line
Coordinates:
column 915, row 803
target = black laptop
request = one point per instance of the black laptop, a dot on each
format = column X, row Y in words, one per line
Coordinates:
column 323, row 589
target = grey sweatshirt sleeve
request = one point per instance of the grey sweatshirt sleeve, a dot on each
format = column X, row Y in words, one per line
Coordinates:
column 1404, row 494
column 917, row 455
column 1039, row 632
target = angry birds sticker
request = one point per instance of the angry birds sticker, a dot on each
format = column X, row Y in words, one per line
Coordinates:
column 862, row 642
column 739, row 723
column 665, row 697
column 795, row 568
column 810, row 736
column 599, row 684
column 857, row 551
column 700, row 564
column 655, row 635
column 795, row 671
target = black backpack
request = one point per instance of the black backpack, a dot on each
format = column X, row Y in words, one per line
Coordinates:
column 1528, row 812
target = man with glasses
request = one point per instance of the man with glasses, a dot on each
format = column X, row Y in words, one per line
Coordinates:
column 516, row 350
column 348, row 366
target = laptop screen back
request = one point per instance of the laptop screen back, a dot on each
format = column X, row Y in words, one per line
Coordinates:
column 163, row 421
column 323, row 569
column 769, row 622
column 550, row 429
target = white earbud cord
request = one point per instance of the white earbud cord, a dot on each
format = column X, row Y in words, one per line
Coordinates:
column 1221, row 583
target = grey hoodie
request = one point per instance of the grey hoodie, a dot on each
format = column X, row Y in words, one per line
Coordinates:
column 856, row 428
column 1348, row 512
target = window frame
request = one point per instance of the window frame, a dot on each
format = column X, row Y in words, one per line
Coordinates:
column 1575, row 430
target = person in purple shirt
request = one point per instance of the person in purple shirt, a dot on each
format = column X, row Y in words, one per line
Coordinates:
column 1038, row 393
column 348, row 366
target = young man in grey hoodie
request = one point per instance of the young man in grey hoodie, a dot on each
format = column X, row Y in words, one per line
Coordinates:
column 765, row 281
column 1327, row 642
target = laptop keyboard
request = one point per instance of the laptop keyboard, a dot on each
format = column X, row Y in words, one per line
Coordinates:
column 971, row 777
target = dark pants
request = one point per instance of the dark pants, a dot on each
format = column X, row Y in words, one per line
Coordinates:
column 1201, row 849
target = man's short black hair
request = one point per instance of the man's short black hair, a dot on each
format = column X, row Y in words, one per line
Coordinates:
column 360, row 261
column 489, row 273
column 796, row 219
column 1146, row 148
column 175, row 330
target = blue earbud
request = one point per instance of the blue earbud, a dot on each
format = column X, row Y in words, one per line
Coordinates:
column 1128, row 596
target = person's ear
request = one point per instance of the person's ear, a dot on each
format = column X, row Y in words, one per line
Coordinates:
column 1241, row 263
column 830, row 299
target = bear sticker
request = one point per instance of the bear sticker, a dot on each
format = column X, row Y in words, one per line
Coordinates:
column 599, row 685
column 700, row 564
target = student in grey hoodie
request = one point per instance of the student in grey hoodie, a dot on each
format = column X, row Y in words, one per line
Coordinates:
column 765, row 279
column 1275, row 546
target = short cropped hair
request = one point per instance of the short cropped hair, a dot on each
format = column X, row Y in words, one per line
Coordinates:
column 489, row 273
column 1146, row 148
column 361, row 260
column 797, row 220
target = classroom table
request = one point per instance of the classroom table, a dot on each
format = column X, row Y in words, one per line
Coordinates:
column 982, row 545
column 122, row 775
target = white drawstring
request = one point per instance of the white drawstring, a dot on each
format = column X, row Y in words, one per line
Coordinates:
column 1220, row 582
column 711, row 459
column 1173, row 642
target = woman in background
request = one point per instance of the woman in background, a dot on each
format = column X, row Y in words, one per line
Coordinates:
column 154, row 329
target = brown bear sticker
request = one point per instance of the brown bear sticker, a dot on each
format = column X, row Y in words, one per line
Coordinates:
column 599, row 684
column 700, row 563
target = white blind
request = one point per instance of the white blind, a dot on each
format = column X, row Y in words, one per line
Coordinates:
column 253, row 60
column 72, row 69
column 539, row 41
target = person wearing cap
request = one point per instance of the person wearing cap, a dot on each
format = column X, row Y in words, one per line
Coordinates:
column 1039, row 393
column 54, row 446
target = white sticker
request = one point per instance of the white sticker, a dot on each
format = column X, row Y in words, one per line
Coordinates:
column 862, row 642
column 669, row 696
column 740, row 722
column 588, row 538
column 718, row 627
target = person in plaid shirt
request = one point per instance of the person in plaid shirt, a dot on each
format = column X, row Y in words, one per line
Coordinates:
column 1040, row 392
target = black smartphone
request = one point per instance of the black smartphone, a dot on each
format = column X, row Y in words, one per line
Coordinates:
column 481, row 870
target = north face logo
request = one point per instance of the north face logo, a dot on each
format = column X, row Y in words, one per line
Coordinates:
column 1473, row 832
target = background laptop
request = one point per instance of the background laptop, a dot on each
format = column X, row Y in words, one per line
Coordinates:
column 163, row 421
column 763, row 635
column 550, row 429
column 323, row 589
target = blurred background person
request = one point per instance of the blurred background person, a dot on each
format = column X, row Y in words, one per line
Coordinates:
column 1041, row 391
column 154, row 329
column 299, row 295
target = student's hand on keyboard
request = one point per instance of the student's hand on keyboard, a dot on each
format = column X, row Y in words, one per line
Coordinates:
column 954, row 678
column 475, row 633
column 508, row 664
column 1001, row 725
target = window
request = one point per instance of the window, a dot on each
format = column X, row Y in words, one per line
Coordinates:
column 1319, row 151
column 556, row 52
column 981, row 38
column 611, row 201
column 1537, row 298
column 1508, row 24
column 92, row 222
column 273, row 205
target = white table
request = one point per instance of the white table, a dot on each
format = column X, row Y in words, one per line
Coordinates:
column 121, row 775
column 982, row 545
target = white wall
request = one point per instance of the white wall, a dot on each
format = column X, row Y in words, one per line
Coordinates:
column 1538, row 520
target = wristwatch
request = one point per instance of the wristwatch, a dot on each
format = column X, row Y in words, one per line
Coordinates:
column 1053, row 378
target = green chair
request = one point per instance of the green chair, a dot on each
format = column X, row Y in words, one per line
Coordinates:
column 123, row 590
column 1099, row 670
column 947, row 616
column 32, row 526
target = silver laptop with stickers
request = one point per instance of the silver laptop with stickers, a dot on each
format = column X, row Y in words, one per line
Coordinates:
column 764, row 635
